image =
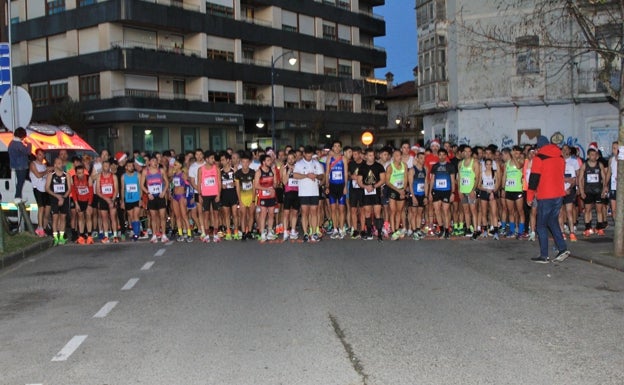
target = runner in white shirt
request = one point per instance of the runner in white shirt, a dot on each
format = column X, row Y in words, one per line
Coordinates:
column 310, row 174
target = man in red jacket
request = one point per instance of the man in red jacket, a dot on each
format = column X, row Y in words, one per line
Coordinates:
column 546, row 184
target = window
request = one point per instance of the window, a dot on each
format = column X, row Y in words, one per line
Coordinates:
column 344, row 71
column 84, row 3
column 329, row 31
column 55, row 6
column 90, row 87
column 527, row 59
column 179, row 89
column 345, row 105
column 219, row 10
column 44, row 94
column 216, row 54
column 221, row 97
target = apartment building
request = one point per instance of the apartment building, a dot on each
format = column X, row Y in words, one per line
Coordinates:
column 159, row 74
column 502, row 86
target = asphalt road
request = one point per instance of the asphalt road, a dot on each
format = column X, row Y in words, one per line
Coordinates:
column 337, row 312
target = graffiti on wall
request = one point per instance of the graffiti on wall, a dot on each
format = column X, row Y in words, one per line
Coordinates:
column 574, row 142
column 465, row 140
column 507, row 142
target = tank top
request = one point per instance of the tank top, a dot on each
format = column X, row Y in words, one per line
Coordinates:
column 177, row 180
column 266, row 181
column 107, row 185
column 154, row 182
column 39, row 183
column 245, row 180
column 514, row 178
column 292, row 184
column 418, row 186
column 488, row 181
column 467, row 177
column 397, row 176
column 593, row 179
column 227, row 180
column 58, row 184
column 82, row 188
column 131, row 188
column 442, row 180
column 208, row 180
column 336, row 172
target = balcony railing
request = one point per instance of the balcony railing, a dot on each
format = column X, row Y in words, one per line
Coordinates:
column 138, row 93
column 588, row 81
column 264, row 23
column 155, row 47
column 175, row 3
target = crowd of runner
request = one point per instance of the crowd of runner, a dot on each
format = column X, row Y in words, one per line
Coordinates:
column 307, row 193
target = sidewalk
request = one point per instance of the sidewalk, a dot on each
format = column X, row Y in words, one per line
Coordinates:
column 32, row 249
column 598, row 250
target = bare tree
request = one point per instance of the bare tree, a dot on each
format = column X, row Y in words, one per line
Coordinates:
column 561, row 34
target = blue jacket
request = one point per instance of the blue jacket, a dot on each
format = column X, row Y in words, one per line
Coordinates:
column 18, row 154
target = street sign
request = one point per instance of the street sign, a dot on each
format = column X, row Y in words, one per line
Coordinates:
column 5, row 67
column 22, row 109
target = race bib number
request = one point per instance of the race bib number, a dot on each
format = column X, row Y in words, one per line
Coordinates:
column 246, row 186
column 593, row 178
column 107, row 189
column 420, row 187
column 228, row 184
column 441, row 183
column 399, row 184
column 266, row 193
column 177, row 182
column 489, row 184
column 292, row 182
column 83, row 190
column 154, row 189
column 465, row 181
column 355, row 184
column 336, row 175
column 59, row 188
column 132, row 188
column 510, row 183
column 209, row 181
column 374, row 192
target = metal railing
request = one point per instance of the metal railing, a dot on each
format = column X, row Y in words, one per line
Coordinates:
column 138, row 93
column 175, row 3
column 155, row 47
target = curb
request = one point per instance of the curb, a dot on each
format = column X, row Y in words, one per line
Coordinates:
column 604, row 262
column 26, row 252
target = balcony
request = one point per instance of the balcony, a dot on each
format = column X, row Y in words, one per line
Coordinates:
column 589, row 83
column 175, row 3
column 155, row 47
column 138, row 93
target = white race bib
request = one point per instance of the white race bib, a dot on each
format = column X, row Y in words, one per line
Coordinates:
column 465, row 181
column 154, row 189
column 266, row 193
column 489, row 184
column 59, row 188
column 210, row 181
column 355, row 184
column 441, row 183
column 399, row 184
column 177, row 182
column 336, row 175
column 420, row 187
column 292, row 182
column 374, row 192
column 107, row 189
column 510, row 183
column 83, row 190
column 246, row 186
column 593, row 178
column 132, row 188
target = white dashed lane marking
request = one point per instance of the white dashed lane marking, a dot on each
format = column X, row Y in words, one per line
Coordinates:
column 130, row 284
column 148, row 265
column 70, row 348
column 106, row 309
column 160, row 252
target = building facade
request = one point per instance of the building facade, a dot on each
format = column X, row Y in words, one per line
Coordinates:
column 484, row 76
column 183, row 74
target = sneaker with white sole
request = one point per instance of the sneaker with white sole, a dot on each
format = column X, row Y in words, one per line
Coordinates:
column 562, row 256
column 154, row 239
column 540, row 259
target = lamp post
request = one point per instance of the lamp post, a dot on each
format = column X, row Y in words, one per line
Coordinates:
column 292, row 61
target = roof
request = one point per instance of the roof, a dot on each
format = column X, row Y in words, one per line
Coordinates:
column 403, row 90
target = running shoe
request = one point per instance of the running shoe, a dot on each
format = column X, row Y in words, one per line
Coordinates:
column 540, row 259
column 573, row 237
column 81, row 240
column 600, row 232
column 105, row 240
column 188, row 239
column 532, row 236
column 115, row 239
column 263, row 237
column 271, row 235
column 55, row 243
column 562, row 256
column 180, row 238
column 416, row 236
column 294, row 235
column 286, row 236
column 206, row 239
column 40, row 232
column 164, row 239
column 587, row 233
column 154, row 239
column 135, row 238
column 334, row 234
column 396, row 235
column 355, row 234
column 496, row 237
column 564, row 236
column 89, row 240
column 314, row 238
column 216, row 238
column 306, row 238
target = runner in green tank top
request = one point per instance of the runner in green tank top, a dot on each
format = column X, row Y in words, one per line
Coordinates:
column 469, row 173
column 397, row 183
column 514, row 196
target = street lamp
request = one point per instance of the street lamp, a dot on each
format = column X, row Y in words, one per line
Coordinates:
column 292, row 61
column 260, row 124
column 398, row 120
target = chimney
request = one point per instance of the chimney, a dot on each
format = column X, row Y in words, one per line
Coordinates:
column 389, row 80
